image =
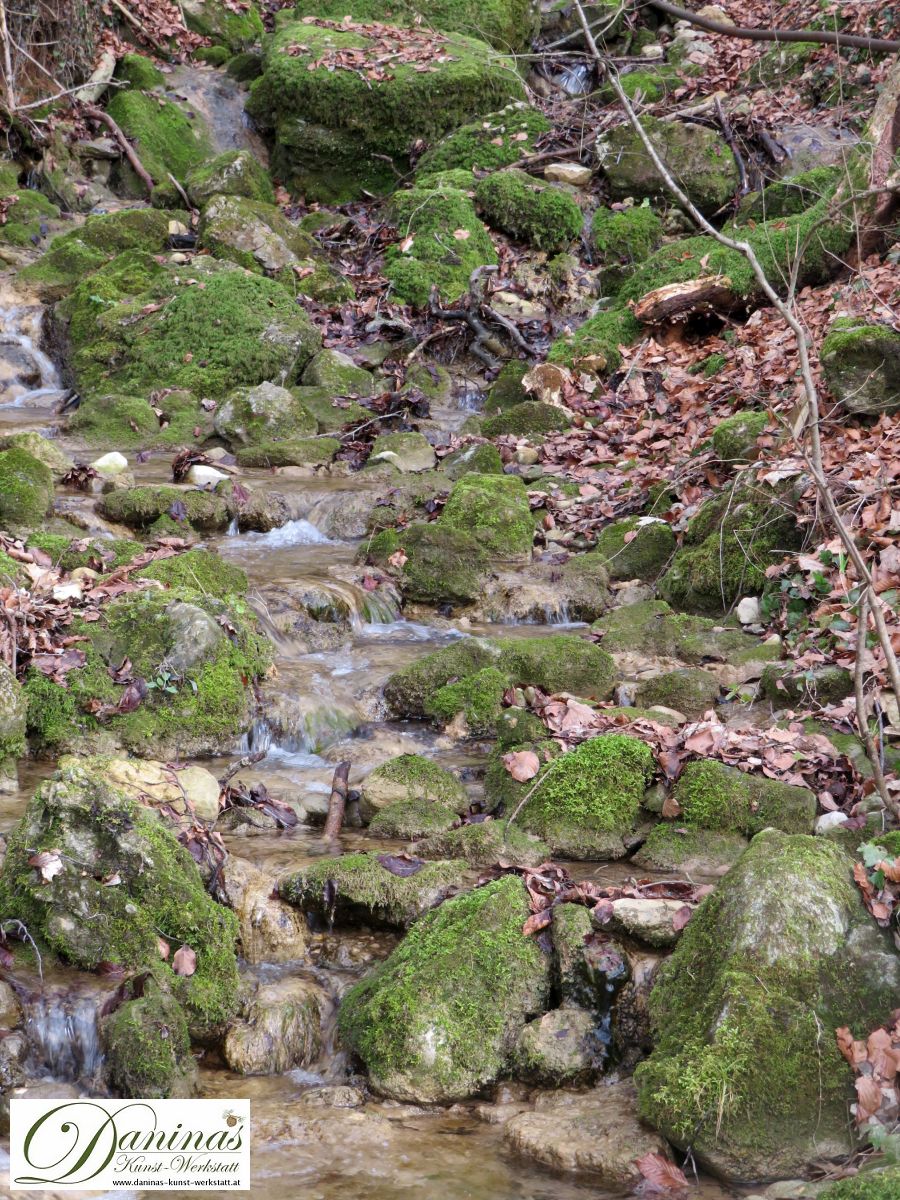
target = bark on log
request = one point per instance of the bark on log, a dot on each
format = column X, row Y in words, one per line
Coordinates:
column 677, row 301
column 99, row 81
column 337, row 801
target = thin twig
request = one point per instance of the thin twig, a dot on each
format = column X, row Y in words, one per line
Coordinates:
column 862, row 717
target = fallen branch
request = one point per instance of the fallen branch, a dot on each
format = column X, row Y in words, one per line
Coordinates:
column 100, row 80
column 97, row 114
column 247, row 761
column 825, row 36
column 337, row 802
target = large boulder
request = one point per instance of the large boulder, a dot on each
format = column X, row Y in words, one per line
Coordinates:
column 26, row 491
column 495, row 509
column 746, row 1070
column 279, row 1029
column 262, row 412
column 234, row 173
column 147, row 1046
column 861, row 362
column 506, row 24
column 335, row 125
column 439, row 1019
column 98, row 878
column 414, row 782
column 541, row 214
column 13, row 707
column 696, row 156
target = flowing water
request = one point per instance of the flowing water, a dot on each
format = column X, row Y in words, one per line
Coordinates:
column 322, row 707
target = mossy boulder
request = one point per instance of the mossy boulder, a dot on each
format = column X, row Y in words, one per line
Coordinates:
column 201, row 654
column 697, row 157
column 746, row 1069
column 515, row 726
column 541, row 214
column 371, row 889
column 494, row 509
column 533, row 417
column 71, row 550
column 141, row 507
column 234, row 173
column 879, row 1184
column 483, row 843
column 202, row 570
column 137, row 326
column 338, row 374
column 263, row 413
column 439, row 1019
column 674, row 846
column 330, row 125
column 407, row 452
column 410, row 777
column 728, row 545
column 443, row 566
column 449, row 242
column 408, row 691
column 411, row 819
column 26, row 217
column 641, row 556
column 13, row 706
column 734, row 439
column 139, row 72
column 148, row 1048
column 477, row 699
column 294, row 452
column 650, row 626
column 861, row 363
column 234, row 26
column 688, row 690
column 176, row 419
column 786, row 687
column 506, row 24
column 587, row 801
column 167, row 140
column 493, row 142
column 506, row 390
column 42, row 448
column 624, row 239
column 713, row 795
column 563, row 1048
column 478, row 459
column 26, row 491
column 80, row 821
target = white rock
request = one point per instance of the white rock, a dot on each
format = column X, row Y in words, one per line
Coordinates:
column 748, row 612
column 67, row 591
column 113, row 463
column 830, row 820
column 654, row 50
column 573, row 173
column 200, row 475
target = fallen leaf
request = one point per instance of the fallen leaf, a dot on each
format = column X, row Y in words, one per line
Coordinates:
column 185, row 961
column 522, row 764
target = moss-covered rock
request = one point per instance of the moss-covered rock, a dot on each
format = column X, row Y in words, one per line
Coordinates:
column 728, row 545
column 515, row 726
column 563, row 1048
column 147, row 1047
column 361, row 889
column 650, row 626
column 26, row 491
column 407, row 452
column 438, row 1020
column 689, row 690
column 506, row 390
column 477, row 698
column 697, row 157
column 408, row 691
column 494, row 509
column 70, row 551
column 495, row 141
column 234, row 26
column 26, row 217
column 295, row 452
column 624, row 239
column 734, row 439
column 280, row 1028
column 167, row 140
column 526, row 419
column 81, row 821
column 176, row 419
column 202, row 570
column 140, row 507
column 331, row 124
column 786, row 687
column 175, row 639
column 443, row 566
column 713, row 795
column 448, row 243
column 862, row 366
column 587, row 801
column 43, row 449
column 338, row 374
column 410, row 777
column 263, row 413
column 880, row 1184
column 507, row 24
column 642, row 556
column 234, row 173
column 541, row 214
column 478, row 459
column 786, row 197
column 746, row 1069
column 675, row 846
column 483, row 843
column 13, row 707
column 137, row 326
column 139, row 72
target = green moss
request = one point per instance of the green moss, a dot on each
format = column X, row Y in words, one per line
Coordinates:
column 234, row 173
column 294, row 452
column 139, row 507
column 26, row 490
column 148, row 1047
column 522, row 420
column 562, row 662
column 674, row 846
column 589, row 799
column 785, row 197
column 493, row 142
column 540, row 214
column 331, row 124
column 444, row 565
column 861, row 363
column 494, row 509
column 507, row 24
column 201, row 570
column 643, row 556
column 25, row 217
column 224, row 24
column 624, row 240
column 409, row 690
column 102, row 554
column 599, row 338
column 651, row 626
column 437, row 257
column 881, row 1184
column 408, row 819
column 136, row 327
column 438, row 1019
column 648, row 86
column 62, row 267
column 160, row 893
column 413, row 777
column 139, row 72
column 11, row 573
column 689, row 690
column 506, row 390
column 715, row 796
column 358, row 888
column 126, row 421
column 781, row 63
column 481, row 459
column 785, row 686
column 44, row 449
column 483, row 843
column 734, row 439
column 479, row 697
column 166, row 139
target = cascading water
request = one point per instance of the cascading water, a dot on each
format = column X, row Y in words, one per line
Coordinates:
column 63, row 1035
column 30, row 386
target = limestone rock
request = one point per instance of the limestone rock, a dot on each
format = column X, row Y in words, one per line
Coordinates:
column 280, row 1028
column 647, row 920
column 270, row 930
column 562, row 1048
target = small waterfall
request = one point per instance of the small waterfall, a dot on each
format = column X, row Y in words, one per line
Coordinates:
column 64, row 1036
column 305, row 732
column 28, row 377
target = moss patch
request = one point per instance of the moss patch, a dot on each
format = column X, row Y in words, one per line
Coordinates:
column 26, row 491
column 540, row 214
column 715, row 796
column 493, row 142
column 495, row 510
column 642, row 556
column 166, row 139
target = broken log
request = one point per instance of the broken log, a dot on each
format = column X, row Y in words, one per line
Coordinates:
column 337, row 802
column 678, row 301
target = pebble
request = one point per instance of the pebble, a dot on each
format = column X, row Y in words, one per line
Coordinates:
column 200, row 475
column 110, row 464
column 830, row 820
column 527, row 456
column 572, row 173
column 748, row 612
column 67, row 591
